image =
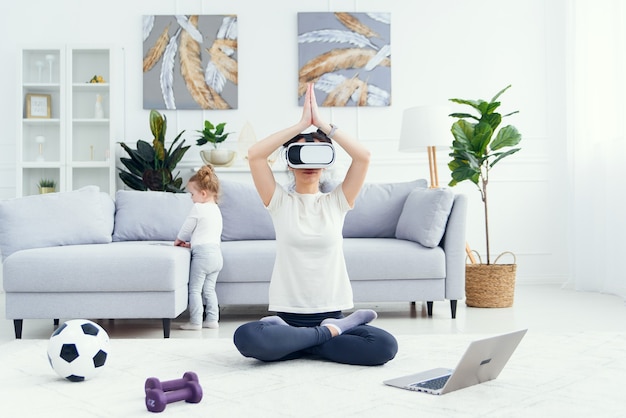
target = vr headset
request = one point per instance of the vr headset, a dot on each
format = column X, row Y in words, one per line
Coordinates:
column 310, row 155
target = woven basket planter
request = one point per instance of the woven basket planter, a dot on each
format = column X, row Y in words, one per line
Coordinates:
column 490, row 285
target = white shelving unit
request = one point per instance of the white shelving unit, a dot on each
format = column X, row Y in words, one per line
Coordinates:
column 73, row 144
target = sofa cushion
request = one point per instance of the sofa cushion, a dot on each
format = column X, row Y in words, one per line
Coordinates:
column 366, row 259
column 248, row 261
column 244, row 215
column 390, row 258
column 424, row 216
column 377, row 209
column 145, row 266
column 84, row 216
column 149, row 215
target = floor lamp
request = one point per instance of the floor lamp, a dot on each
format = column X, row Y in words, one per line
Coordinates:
column 428, row 127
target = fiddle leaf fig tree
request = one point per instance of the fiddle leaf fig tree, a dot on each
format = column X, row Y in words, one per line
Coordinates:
column 150, row 166
column 478, row 145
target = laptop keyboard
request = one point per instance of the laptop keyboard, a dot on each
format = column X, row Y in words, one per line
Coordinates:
column 436, row 383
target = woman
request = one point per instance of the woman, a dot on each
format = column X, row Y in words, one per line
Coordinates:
column 310, row 285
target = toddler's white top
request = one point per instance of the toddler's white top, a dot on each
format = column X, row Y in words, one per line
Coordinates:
column 203, row 225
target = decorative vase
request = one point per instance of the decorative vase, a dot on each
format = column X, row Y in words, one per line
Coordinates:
column 218, row 157
column 40, row 140
column 490, row 285
column 98, row 109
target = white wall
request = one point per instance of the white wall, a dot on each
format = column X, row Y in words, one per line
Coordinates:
column 440, row 50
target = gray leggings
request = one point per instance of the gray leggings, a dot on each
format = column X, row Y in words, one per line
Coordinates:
column 206, row 263
column 364, row 345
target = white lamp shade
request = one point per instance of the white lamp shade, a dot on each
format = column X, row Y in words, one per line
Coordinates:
column 425, row 126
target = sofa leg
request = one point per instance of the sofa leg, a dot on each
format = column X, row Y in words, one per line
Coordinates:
column 453, row 308
column 167, row 325
column 56, row 322
column 17, row 325
column 429, row 306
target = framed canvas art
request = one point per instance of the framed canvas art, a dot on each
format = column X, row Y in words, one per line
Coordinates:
column 190, row 62
column 347, row 56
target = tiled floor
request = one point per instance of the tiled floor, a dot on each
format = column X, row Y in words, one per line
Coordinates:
column 540, row 307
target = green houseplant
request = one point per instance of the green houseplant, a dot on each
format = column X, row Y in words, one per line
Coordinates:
column 150, row 166
column 215, row 135
column 212, row 133
column 46, row 186
column 477, row 147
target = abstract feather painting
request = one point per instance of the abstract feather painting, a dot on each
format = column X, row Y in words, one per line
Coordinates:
column 347, row 56
column 190, row 62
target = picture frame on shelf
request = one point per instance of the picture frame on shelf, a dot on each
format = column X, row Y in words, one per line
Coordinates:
column 38, row 106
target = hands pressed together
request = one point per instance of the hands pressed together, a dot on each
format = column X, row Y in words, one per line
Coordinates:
column 310, row 111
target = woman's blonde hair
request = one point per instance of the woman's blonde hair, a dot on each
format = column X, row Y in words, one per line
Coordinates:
column 206, row 179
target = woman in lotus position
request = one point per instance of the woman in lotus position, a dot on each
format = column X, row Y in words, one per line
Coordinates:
column 310, row 285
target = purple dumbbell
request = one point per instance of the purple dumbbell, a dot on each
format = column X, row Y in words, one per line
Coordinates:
column 155, row 383
column 157, row 400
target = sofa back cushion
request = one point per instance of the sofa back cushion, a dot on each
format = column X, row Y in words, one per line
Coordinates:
column 377, row 209
column 84, row 216
column 375, row 214
column 149, row 215
column 425, row 215
column 244, row 215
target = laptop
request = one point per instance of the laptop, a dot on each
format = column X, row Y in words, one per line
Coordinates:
column 483, row 360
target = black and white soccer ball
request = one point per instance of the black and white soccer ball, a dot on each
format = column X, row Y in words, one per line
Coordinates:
column 78, row 349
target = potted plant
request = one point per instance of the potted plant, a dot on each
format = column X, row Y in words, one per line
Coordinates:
column 477, row 147
column 215, row 135
column 150, row 167
column 46, row 186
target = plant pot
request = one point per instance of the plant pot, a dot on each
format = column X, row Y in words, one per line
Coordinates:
column 490, row 285
column 218, row 157
column 44, row 190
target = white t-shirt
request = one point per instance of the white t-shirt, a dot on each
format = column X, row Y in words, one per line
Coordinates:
column 203, row 225
column 310, row 274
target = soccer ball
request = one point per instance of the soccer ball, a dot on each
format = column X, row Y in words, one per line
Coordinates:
column 78, row 349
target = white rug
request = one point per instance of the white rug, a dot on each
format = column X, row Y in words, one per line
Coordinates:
column 578, row 374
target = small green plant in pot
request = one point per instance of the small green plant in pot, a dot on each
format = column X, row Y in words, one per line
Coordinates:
column 150, row 167
column 46, row 186
column 477, row 147
column 215, row 135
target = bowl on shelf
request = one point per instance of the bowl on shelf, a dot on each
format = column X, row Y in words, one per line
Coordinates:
column 218, row 157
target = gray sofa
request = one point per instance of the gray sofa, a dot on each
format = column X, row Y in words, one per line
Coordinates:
column 82, row 254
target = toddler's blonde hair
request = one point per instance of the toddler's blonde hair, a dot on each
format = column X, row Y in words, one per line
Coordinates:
column 206, row 179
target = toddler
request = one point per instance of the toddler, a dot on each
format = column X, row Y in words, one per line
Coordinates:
column 202, row 232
